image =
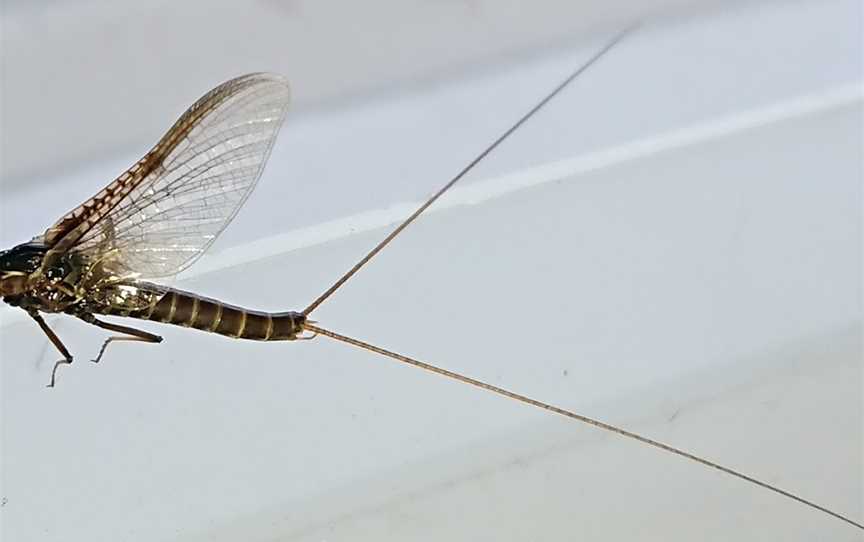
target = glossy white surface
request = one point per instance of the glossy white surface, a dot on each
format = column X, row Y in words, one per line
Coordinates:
column 707, row 294
column 81, row 79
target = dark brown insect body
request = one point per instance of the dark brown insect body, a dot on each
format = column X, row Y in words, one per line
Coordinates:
column 53, row 292
column 164, row 212
column 72, row 286
column 156, row 219
column 190, row 310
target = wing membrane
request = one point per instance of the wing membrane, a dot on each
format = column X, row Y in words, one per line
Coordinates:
column 165, row 211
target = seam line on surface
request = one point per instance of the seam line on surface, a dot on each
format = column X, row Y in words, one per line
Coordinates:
column 489, row 189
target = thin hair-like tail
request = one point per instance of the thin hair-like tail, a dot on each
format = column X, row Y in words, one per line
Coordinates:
column 384, row 242
column 578, row 417
column 309, row 326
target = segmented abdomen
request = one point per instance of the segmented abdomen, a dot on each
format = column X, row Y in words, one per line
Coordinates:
column 189, row 310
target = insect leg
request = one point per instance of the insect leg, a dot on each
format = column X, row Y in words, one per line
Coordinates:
column 67, row 357
column 129, row 334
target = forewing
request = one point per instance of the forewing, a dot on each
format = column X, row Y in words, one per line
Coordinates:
column 163, row 213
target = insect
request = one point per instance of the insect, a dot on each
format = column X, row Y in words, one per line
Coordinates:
column 161, row 215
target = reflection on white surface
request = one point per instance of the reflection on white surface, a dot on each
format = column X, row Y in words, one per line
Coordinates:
column 707, row 295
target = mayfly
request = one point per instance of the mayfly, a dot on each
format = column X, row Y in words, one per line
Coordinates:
column 162, row 214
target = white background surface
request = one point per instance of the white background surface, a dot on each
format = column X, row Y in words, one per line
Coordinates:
column 701, row 285
column 109, row 57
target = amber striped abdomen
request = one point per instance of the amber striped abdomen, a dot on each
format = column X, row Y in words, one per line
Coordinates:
column 189, row 310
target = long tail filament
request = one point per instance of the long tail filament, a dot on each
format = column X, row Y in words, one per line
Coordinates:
column 578, row 417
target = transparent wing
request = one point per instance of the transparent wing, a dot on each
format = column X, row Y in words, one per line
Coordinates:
column 165, row 211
